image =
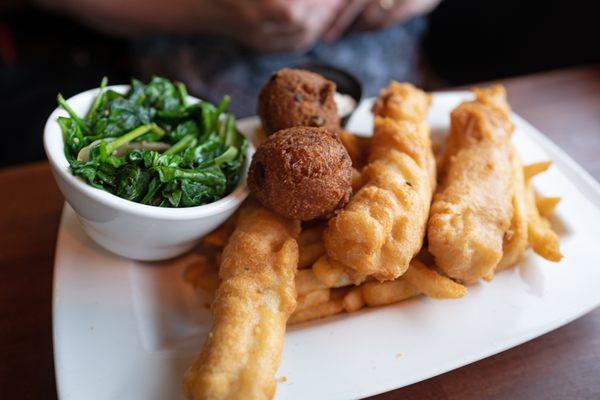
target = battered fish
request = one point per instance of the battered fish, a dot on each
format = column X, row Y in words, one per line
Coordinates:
column 516, row 238
column 472, row 210
column 383, row 226
column 251, row 308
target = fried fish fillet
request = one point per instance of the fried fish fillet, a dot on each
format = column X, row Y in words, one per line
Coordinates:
column 251, row 308
column 516, row 238
column 383, row 226
column 472, row 209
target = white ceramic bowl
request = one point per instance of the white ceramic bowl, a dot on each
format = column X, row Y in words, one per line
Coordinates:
column 124, row 227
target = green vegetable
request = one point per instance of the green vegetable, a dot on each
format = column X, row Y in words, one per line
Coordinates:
column 109, row 147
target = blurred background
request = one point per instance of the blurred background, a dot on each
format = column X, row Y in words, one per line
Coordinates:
column 232, row 46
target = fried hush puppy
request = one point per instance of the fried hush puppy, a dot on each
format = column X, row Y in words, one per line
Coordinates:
column 254, row 300
column 301, row 173
column 383, row 226
column 294, row 97
column 472, row 210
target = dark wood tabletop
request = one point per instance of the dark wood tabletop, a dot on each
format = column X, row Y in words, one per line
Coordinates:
column 563, row 364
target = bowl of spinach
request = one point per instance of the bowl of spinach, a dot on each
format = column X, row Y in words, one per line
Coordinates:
column 148, row 168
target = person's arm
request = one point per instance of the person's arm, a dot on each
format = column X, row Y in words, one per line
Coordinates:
column 371, row 15
column 266, row 25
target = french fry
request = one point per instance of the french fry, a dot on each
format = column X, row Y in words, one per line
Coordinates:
column 306, row 281
column 203, row 276
column 201, row 270
column 330, row 272
column 259, row 134
column 220, row 236
column 432, row 284
column 382, row 293
column 546, row 205
column 331, row 307
column 313, row 298
column 309, row 253
column 357, row 147
column 534, row 169
column 311, row 235
column 358, row 180
column 542, row 238
column 354, row 300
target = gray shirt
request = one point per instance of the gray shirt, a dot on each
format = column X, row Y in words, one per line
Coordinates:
column 212, row 67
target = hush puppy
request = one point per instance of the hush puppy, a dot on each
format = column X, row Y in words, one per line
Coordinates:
column 295, row 97
column 301, row 173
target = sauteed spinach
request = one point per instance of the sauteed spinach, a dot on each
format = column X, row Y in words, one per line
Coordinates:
column 152, row 146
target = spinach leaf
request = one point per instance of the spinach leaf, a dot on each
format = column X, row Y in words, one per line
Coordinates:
column 203, row 163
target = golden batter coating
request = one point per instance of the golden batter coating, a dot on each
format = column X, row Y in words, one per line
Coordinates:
column 383, row 226
column 516, row 238
column 251, row 308
column 472, row 210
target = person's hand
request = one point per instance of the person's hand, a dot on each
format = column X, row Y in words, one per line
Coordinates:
column 375, row 14
column 276, row 25
column 265, row 25
column 380, row 14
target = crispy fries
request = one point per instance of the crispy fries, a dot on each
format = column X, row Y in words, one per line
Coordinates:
column 309, row 253
column 431, row 283
column 546, row 205
column 353, row 300
column 358, row 180
column 330, row 272
column 383, row 293
column 313, row 298
column 330, row 307
column 311, row 235
column 542, row 238
column 357, row 147
column 220, row 236
column 534, row 169
column 251, row 308
column 202, row 272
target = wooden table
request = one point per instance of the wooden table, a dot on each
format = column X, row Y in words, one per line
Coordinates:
column 562, row 364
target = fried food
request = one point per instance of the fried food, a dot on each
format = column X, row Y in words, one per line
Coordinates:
column 542, row 238
column 357, row 147
column 309, row 253
column 546, row 205
column 382, row 227
column 252, row 305
column 201, row 270
column 431, row 283
column 384, row 293
column 295, row 97
column 329, row 302
column 534, row 169
column 220, row 236
column 472, row 210
column 301, row 173
column 308, row 281
column 354, row 300
column 311, row 299
column 516, row 238
column 321, row 310
column 329, row 272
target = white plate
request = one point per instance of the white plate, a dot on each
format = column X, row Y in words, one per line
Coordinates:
column 128, row 330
